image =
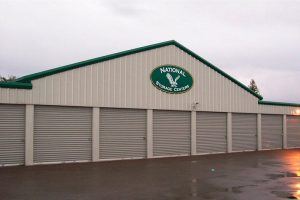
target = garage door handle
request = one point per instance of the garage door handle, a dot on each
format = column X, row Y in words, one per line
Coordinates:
column 144, row 138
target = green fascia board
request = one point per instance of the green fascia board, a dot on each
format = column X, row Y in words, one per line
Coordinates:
column 18, row 85
column 272, row 103
column 29, row 78
column 217, row 69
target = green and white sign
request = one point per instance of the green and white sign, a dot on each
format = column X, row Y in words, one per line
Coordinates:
column 171, row 79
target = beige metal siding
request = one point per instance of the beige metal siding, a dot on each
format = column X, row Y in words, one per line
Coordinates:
column 272, row 131
column 12, row 134
column 171, row 133
column 244, row 132
column 270, row 109
column 122, row 133
column 211, row 132
column 62, row 134
column 125, row 83
column 293, row 131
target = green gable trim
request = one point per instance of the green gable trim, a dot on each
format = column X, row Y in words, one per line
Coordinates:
column 272, row 103
column 29, row 78
column 216, row 69
column 42, row 74
column 16, row 85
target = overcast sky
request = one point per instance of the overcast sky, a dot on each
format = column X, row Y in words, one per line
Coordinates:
column 247, row 39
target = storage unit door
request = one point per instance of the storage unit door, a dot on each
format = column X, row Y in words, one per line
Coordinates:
column 171, row 133
column 12, row 134
column 272, row 131
column 293, row 131
column 123, row 133
column 244, row 132
column 62, row 134
column 211, row 132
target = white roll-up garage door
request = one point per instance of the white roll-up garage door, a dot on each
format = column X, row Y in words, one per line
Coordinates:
column 244, row 132
column 123, row 133
column 62, row 134
column 12, row 134
column 272, row 131
column 171, row 133
column 211, row 132
column 293, row 131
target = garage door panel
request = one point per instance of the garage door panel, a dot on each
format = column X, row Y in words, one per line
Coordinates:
column 244, row 132
column 12, row 134
column 211, row 132
column 62, row 134
column 293, row 131
column 123, row 133
column 171, row 133
column 272, row 131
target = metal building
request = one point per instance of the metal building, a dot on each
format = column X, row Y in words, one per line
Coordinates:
column 160, row 100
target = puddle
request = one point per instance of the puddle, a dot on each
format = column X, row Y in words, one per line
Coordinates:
column 275, row 176
column 238, row 189
column 213, row 192
column 235, row 190
column 291, row 174
column 282, row 175
column 287, row 194
column 261, row 181
column 274, row 163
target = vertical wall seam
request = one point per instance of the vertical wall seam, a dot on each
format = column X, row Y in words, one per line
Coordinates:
column 259, row 136
column 284, row 134
column 29, row 124
column 95, row 134
column 193, row 133
column 149, row 133
column 229, row 132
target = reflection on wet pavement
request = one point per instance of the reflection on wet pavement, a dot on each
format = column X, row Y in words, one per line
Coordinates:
column 267, row 175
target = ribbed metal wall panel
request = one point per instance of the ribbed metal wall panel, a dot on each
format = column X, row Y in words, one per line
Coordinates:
column 125, row 83
column 293, row 131
column 12, row 134
column 271, row 109
column 244, row 132
column 123, row 133
column 171, row 133
column 62, row 134
column 211, row 132
column 272, row 131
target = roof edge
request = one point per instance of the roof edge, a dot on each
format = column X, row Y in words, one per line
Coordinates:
column 29, row 78
column 49, row 72
column 273, row 103
column 17, row 85
column 191, row 53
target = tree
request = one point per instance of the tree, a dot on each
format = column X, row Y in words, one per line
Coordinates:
column 253, row 86
column 7, row 79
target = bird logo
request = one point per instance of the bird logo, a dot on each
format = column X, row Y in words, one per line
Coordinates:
column 171, row 80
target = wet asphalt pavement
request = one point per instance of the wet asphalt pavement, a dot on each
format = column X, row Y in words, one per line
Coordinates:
column 252, row 175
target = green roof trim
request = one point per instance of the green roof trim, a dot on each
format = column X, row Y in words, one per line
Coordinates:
column 272, row 103
column 18, row 85
column 217, row 69
column 29, row 78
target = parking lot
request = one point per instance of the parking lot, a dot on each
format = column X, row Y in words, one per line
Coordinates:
column 250, row 175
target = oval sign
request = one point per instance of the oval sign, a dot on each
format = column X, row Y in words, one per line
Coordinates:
column 171, row 79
